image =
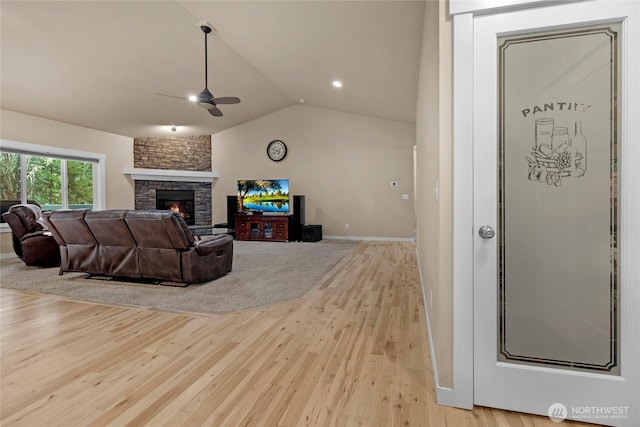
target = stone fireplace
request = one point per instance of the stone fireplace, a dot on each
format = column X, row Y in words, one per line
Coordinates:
column 174, row 171
column 146, row 192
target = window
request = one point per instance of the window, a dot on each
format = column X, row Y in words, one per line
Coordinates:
column 52, row 178
column 10, row 184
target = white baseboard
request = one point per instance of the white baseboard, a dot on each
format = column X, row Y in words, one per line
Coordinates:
column 8, row 255
column 383, row 239
column 444, row 396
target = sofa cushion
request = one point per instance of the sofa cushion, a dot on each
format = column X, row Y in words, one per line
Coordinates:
column 159, row 229
column 116, row 247
column 71, row 225
column 109, row 228
column 159, row 236
column 24, row 219
column 17, row 226
column 78, row 250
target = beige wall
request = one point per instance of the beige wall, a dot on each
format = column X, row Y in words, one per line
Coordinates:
column 434, row 124
column 118, row 150
column 5, row 244
column 343, row 164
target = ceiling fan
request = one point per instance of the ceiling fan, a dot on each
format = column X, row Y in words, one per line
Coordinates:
column 205, row 99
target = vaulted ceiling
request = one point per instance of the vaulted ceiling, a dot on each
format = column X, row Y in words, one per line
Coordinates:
column 104, row 64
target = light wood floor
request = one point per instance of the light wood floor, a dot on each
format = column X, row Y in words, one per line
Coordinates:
column 351, row 352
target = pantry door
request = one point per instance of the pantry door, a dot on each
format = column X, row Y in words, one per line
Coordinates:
column 557, row 210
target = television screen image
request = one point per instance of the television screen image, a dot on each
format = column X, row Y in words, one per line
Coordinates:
column 263, row 195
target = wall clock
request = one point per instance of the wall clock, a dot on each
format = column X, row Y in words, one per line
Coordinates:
column 276, row 150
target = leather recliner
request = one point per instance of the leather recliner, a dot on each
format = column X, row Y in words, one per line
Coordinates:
column 137, row 244
column 32, row 242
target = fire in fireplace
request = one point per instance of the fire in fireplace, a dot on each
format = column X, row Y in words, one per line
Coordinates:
column 181, row 201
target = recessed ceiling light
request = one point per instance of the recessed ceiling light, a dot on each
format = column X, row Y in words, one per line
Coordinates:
column 193, row 98
column 337, row 83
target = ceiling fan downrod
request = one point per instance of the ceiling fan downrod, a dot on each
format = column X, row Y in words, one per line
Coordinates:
column 206, row 99
column 206, row 30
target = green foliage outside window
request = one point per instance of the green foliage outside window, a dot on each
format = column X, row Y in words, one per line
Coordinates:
column 9, row 176
column 79, row 183
column 44, row 181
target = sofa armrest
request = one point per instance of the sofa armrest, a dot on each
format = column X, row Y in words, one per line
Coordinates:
column 36, row 234
column 212, row 245
column 207, row 259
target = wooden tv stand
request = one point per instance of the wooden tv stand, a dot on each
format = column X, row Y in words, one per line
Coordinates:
column 272, row 228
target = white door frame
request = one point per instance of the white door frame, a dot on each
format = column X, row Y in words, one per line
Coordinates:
column 463, row 12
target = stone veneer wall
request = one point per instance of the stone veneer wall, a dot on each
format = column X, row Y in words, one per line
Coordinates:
column 188, row 153
column 192, row 153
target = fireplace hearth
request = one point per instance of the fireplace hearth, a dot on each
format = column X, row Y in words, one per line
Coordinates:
column 181, row 201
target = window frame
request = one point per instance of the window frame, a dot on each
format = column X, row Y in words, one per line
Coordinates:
column 97, row 159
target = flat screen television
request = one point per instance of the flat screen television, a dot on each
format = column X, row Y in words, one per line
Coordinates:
column 263, row 195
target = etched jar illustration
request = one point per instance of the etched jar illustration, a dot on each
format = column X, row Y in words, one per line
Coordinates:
column 559, row 138
column 544, row 131
column 555, row 155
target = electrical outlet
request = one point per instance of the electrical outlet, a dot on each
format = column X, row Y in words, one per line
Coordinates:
column 346, row 226
column 405, row 197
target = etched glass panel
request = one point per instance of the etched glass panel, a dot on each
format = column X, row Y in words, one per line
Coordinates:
column 559, row 94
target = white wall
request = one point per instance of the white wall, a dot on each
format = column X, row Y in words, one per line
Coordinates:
column 434, row 124
column 343, row 163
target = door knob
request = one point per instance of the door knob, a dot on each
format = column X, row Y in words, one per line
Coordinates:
column 486, row 232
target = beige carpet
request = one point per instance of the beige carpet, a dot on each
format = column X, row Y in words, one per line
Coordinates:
column 263, row 273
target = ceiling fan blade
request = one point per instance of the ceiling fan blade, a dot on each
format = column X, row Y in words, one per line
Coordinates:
column 227, row 100
column 215, row 111
column 171, row 96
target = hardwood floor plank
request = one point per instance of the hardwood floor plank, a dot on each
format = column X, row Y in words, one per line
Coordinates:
column 352, row 352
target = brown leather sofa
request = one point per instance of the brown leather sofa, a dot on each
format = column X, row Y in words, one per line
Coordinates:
column 32, row 242
column 137, row 244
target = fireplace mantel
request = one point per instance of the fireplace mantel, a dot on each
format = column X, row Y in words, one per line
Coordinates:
column 141, row 174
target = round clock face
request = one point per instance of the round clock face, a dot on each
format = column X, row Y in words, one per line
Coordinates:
column 276, row 150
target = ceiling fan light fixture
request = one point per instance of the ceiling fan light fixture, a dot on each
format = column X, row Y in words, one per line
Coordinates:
column 192, row 98
column 205, row 99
